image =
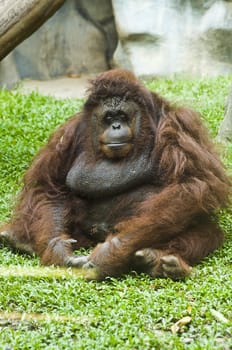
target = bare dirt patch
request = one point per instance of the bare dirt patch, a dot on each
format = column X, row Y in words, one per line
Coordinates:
column 61, row 88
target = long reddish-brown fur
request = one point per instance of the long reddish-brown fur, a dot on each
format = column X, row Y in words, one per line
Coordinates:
column 177, row 220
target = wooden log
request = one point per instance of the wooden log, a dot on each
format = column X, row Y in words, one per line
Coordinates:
column 20, row 18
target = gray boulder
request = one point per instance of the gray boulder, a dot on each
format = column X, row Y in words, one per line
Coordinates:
column 172, row 36
column 149, row 37
column 74, row 41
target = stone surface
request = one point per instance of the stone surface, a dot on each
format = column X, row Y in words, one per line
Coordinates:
column 149, row 37
column 171, row 36
column 20, row 18
column 8, row 73
column 74, row 41
column 59, row 88
column 225, row 131
column 58, row 47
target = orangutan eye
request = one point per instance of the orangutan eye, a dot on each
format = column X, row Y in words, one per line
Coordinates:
column 108, row 118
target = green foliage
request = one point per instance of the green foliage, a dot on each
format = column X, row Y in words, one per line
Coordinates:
column 26, row 123
column 207, row 96
column 60, row 311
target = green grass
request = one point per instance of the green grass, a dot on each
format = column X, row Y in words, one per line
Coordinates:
column 56, row 309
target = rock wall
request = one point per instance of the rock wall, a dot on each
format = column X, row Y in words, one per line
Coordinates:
column 150, row 37
column 79, row 39
column 174, row 36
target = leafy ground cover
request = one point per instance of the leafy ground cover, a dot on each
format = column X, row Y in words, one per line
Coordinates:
column 47, row 308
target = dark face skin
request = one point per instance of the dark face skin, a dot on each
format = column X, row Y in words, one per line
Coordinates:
column 116, row 128
column 115, row 125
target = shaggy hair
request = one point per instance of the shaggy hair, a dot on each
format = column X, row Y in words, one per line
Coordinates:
column 173, row 215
